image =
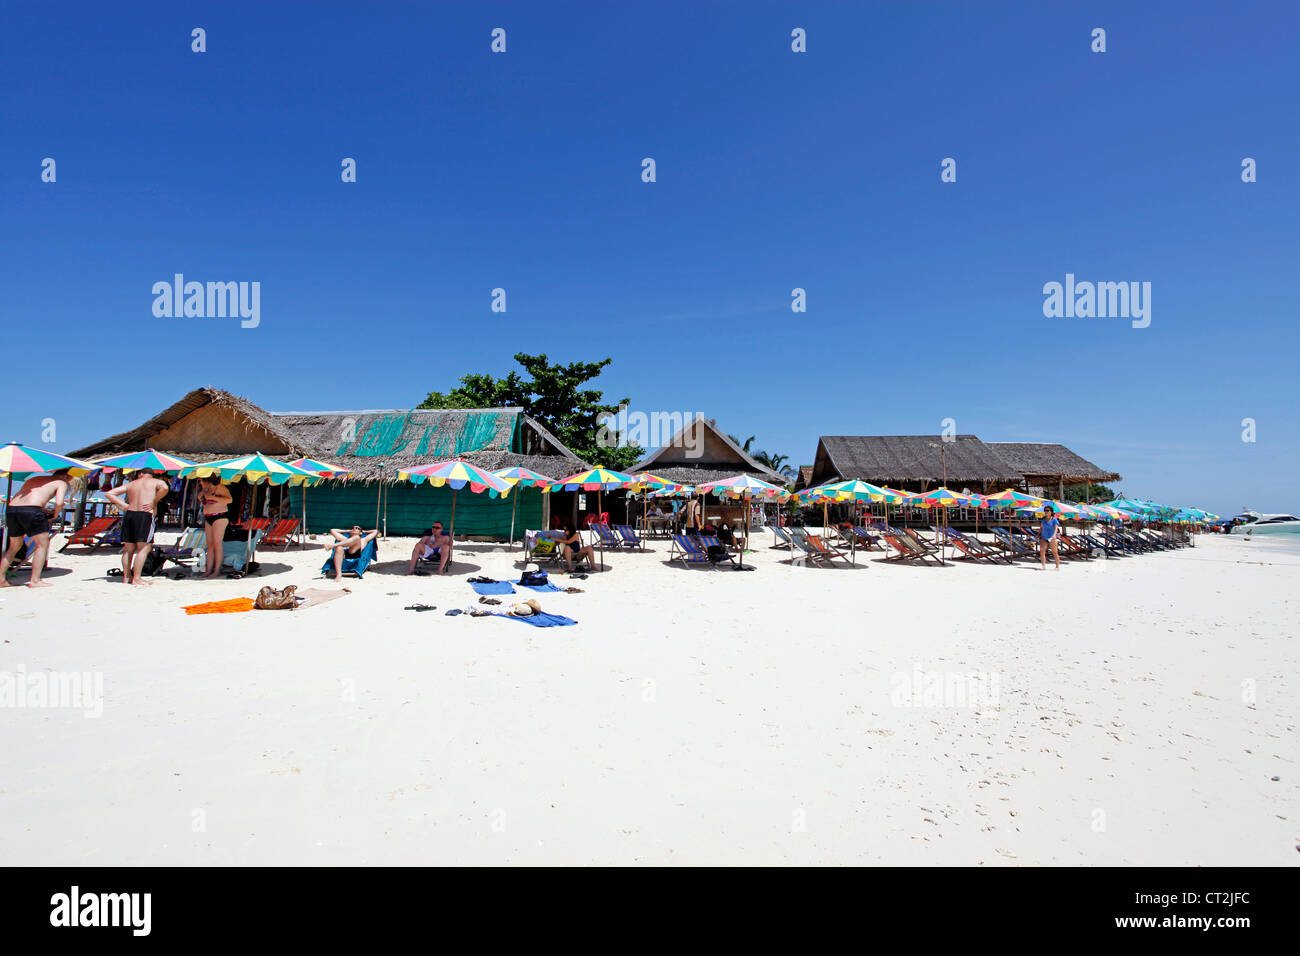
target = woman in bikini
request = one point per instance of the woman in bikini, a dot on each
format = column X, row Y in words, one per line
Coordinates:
column 215, row 498
column 574, row 547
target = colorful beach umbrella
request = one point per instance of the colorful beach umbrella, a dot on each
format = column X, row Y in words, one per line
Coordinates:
column 524, row 478
column 322, row 469
column 457, row 474
column 148, row 459
column 21, row 462
column 596, row 479
column 254, row 469
column 744, row 487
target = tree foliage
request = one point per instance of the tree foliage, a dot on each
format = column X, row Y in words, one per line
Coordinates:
column 555, row 396
column 1088, row 493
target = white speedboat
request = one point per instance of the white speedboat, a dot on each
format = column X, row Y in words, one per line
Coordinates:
column 1252, row 522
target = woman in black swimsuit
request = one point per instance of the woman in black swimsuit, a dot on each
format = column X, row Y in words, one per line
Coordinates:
column 215, row 498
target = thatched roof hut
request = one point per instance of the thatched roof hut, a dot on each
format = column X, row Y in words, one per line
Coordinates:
column 210, row 423
column 921, row 462
column 1050, row 467
column 910, row 460
column 700, row 452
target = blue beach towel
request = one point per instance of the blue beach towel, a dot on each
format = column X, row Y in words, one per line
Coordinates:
column 548, row 586
column 542, row 620
column 497, row 587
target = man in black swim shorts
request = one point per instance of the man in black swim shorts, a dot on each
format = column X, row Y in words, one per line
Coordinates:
column 138, row 499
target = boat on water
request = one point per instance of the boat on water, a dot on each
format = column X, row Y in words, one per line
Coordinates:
column 1252, row 523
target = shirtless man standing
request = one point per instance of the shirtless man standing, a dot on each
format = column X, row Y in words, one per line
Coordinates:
column 349, row 545
column 142, row 494
column 27, row 517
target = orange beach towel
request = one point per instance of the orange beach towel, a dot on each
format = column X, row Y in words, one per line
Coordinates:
column 221, row 607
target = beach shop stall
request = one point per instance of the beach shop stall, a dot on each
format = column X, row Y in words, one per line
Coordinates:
column 371, row 446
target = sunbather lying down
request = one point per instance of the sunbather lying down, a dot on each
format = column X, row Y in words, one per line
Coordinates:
column 348, row 544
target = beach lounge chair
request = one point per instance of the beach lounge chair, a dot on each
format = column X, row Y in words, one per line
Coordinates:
column 782, row 536
column 237, row 555
column 351, row 565
column 708, row 541
column 281, row 533
column 608, row 538
column 96, row 532
column 827, row 550
column 868, row 537
column 189, row 552
column 689, row 550
column 920, row 545
column 629, row 537
column 973, row 548
column 1013, row 545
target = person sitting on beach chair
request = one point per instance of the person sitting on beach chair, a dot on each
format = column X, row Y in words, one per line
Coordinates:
column 433, row 546
column 349, row 544
column 573, row 547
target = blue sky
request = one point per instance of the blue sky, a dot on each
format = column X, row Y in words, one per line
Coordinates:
column 775, row 170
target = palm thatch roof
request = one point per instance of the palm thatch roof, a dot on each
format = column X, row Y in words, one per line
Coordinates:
column 257, row 419
column 1039, row 461
column 371, row 443
column 904, row 459
column 701, row 449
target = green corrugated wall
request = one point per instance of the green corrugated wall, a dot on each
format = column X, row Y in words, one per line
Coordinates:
column 412, row 508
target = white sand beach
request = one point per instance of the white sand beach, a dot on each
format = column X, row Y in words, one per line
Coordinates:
column 1145, row 713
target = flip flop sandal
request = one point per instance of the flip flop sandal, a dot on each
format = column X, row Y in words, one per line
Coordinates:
column 420, row 607
column 488, row 600
column 453, row 612
column 573, row 591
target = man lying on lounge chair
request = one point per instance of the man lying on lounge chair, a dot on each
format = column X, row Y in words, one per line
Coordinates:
column 433, row 544
column 349, row 544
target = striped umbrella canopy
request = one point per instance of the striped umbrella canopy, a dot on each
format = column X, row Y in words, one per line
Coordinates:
column 648, row 481
column 457, row 474
column 943, row 498
column 321, row 468
column 686, row 490
column 1063, row 509
column 896, row 497
column 146, row 460
column 20, row 461
column 738, row 486
column 1011, row 499
column 597, row 479
column 525, row 477
column 851, row 490
column 254, row 469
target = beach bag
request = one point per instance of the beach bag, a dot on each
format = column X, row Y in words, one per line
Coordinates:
column 718, row 553
column 269, row 599
column 153, row 564
column 533, row 576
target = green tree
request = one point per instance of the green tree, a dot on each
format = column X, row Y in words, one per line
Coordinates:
column 552, row 394
column 1088, row 493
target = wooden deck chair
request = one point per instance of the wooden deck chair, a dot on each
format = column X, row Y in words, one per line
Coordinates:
column 629, row 537
column 281, row 533
column 607, row 537
column 688, row 551
column 826, row 550
column 189, row 552
column 782, row 537
column 93, row 533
